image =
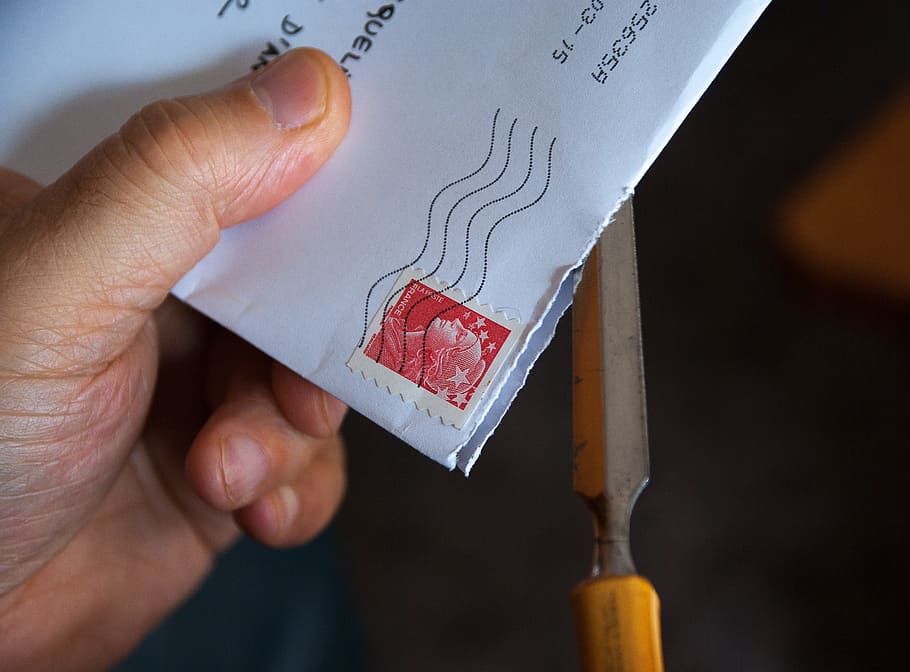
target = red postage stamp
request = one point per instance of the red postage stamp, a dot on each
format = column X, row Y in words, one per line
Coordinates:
column 431, row 345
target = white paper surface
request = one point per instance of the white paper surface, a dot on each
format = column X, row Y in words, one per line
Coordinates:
column 442, row 93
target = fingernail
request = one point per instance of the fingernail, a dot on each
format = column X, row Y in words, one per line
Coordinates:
column 244, row 464
column 334, row 411
column 289, row 504
column 293, row 88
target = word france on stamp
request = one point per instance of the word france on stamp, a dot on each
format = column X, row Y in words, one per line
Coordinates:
column 431, row 345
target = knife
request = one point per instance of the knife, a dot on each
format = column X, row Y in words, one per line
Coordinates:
column 616, row 611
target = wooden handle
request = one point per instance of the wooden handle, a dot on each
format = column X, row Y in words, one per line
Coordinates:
column 618, row 624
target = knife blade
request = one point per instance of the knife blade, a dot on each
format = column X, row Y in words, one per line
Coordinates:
column 616, row 611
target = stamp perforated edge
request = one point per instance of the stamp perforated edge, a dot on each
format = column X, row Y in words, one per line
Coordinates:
column 409, row 391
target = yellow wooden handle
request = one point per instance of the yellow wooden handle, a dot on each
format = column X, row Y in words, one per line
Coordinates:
column 618, row 624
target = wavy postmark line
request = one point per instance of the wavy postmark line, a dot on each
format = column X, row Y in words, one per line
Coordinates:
column 445, row 232
column 467, row 243
column 486, row 245
column 426, row 240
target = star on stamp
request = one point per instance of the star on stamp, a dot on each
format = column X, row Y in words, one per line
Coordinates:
column 434, row 347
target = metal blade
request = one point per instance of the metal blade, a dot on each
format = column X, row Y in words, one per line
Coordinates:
column 611, row 444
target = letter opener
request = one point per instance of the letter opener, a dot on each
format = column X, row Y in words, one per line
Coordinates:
column 616, row 610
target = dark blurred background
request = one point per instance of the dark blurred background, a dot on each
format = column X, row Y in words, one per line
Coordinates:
column 774, row 528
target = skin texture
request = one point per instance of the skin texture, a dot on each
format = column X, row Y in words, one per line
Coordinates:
column 119, row 406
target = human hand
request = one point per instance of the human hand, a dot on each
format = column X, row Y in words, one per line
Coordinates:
column 135, row 436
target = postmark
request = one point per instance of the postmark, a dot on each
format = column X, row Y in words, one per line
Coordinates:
column 433, row 346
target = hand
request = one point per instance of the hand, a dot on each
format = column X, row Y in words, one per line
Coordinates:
column 135, row 436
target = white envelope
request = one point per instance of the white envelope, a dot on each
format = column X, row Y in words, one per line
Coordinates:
column 422, row 271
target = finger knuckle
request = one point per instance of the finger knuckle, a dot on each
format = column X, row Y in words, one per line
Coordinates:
column 171, row 139
column 167, row 157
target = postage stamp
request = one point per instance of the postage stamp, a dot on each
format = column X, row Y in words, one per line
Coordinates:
column 430, row 344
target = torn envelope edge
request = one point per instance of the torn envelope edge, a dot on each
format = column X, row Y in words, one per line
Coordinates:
column 739, row 23
column 538, row 339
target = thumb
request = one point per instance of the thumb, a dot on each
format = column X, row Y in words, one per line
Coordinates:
column 95, row 251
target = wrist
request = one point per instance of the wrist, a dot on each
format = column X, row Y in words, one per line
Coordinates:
column 81, row 612
column 59, row 621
